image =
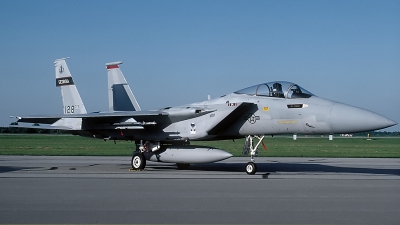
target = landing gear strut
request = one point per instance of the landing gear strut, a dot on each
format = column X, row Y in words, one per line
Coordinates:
column 251, row 167
column 138, row 161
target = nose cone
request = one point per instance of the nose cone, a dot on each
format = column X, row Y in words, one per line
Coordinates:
column 350, row 119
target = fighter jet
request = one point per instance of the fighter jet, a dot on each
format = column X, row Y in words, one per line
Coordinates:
column 164, row 135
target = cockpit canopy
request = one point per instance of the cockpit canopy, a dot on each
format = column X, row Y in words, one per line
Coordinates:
column 277, row 89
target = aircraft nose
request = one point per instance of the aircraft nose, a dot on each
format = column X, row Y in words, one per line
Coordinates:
column 350, row 119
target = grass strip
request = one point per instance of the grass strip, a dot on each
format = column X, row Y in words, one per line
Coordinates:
column 63, row 145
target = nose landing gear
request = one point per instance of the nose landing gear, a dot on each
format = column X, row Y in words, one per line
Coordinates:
column 251, row 167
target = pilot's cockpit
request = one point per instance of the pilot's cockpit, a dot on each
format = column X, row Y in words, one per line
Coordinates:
column 277, row 89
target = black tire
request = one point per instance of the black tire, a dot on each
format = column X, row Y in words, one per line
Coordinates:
column 138, row 161
column 251, row 168
column 183, row 166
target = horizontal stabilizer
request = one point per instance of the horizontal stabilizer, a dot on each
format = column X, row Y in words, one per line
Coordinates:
column 39, row 119
column 146, row 118
column 43, row 127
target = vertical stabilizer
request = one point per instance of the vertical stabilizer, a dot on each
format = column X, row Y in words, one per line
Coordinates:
column 120, row 96
column 72, row 102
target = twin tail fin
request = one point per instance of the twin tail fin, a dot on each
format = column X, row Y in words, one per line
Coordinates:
column 120, row 96
column 72, row 102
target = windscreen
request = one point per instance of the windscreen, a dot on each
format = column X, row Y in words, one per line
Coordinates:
column 278, row 89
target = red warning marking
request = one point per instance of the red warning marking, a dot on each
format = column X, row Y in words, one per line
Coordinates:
column 265, row 147
column 112, row 67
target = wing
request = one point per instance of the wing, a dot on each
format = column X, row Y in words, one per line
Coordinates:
column 123, row 120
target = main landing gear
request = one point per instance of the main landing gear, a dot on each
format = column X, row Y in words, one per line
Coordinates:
column 138, row 161
column 251, row 167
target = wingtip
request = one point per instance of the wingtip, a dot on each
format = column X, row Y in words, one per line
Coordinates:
column 61, row 59
column 114, row 63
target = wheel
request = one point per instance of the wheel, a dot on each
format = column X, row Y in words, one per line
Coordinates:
column 183, row 166
column 251, row 168
column 138, row 161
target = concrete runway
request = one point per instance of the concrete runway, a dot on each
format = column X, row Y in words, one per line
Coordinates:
column 284, row 191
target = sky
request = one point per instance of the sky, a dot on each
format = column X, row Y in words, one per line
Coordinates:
column 179, row 52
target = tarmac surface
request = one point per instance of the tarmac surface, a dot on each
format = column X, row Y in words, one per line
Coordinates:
column 91, row 190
